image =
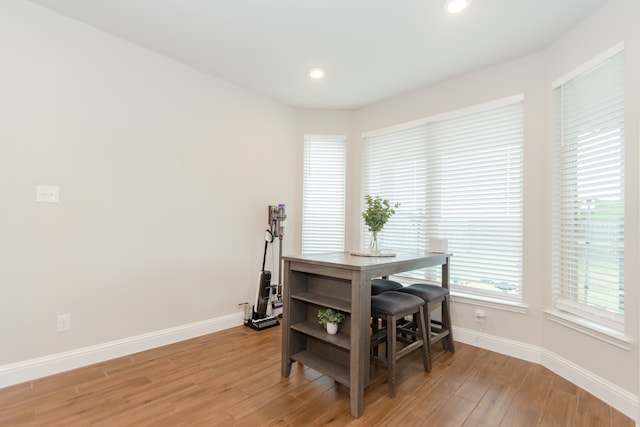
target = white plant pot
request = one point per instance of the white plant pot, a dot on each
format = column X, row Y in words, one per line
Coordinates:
column 332, row 328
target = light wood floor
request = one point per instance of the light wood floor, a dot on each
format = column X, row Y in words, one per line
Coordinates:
column 233, row 378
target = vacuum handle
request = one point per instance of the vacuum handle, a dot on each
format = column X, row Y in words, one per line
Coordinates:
column 282, row 216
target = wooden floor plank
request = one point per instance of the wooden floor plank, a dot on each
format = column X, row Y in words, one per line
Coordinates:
column 232, row 378
column 618, row 419
column 491, row 409
column 589, row 404
column 560, row 409
column 521, row 416
column 452, row 413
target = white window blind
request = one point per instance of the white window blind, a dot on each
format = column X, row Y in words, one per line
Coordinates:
column 458, row 178
column 395, row 168
column 588, row 232
column 323, row 206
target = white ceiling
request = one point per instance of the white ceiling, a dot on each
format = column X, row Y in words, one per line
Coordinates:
column 371, row 49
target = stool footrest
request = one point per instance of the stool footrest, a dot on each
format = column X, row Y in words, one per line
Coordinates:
column 408, row 349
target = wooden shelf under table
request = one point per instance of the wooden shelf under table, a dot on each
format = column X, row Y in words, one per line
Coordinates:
column 314, row 361
column 341, row 340
column 322, row 300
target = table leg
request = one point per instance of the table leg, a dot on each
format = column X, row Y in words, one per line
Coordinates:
column 359, row 355
column 445, row 274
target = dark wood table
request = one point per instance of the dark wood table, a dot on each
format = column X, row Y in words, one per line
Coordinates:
column 343, row 282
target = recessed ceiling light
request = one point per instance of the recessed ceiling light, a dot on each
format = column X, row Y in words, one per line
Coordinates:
column 316, row 73
column 455, row 6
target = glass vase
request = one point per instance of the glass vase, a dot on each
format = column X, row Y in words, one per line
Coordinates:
column 373, row 243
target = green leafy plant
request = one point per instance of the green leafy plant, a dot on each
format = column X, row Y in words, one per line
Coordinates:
column 330, row 315
column 378, row 212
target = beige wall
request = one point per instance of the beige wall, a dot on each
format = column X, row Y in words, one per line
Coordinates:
column 165, row 176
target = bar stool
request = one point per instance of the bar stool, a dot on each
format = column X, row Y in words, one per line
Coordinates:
column 390, row 307
column 379, row 286
column 434, row 297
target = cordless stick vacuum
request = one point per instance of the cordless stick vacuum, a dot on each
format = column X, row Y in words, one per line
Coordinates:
column 260, row 320
column 281, row 216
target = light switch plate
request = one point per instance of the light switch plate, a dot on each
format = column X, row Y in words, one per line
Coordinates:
column 63, row 322
column 47, row 194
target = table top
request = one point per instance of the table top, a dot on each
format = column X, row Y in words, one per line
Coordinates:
column 354, row 262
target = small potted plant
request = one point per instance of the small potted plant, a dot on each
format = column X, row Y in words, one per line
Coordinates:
column 376, row 215
column 330, row 319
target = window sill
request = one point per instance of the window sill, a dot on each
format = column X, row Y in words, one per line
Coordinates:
column 591, row 329
column 489, row 302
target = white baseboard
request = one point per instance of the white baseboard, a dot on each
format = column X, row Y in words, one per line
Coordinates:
column 528, row 352
column 624, row 401
column 28, row 370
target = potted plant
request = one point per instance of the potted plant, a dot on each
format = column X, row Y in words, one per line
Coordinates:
column 376, row 215
column 330, row 319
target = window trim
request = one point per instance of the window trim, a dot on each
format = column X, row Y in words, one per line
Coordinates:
column 583, row 68
column 476, row 108
column 589, row 328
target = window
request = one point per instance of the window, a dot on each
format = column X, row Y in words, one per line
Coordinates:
column 588, row 233
column 457, row 177
column 323, row 205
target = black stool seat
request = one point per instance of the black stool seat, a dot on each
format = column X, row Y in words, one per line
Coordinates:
column 379, row 286
column 434, row 297
column 394, row 303
column 390, row 307
column 426, row 292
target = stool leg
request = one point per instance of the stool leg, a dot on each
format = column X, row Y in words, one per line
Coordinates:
column 391, row 355
column 426, row 348
column 446, row 323
column 375, row 328
column 427, row 324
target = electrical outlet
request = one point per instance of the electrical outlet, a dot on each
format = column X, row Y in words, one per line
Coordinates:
column 47, row 194
column 64, row 322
